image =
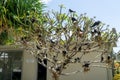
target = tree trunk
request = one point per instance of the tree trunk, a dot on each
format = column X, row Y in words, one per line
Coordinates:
column 55, row 76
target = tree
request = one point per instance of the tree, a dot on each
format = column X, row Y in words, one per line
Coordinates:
column 62, row 36
column 56, row 38
column 16, row 15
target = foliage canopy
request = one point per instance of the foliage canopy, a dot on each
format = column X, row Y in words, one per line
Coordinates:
column 16, row 15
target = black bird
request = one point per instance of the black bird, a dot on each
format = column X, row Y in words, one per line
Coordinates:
column 108, row 58
column 58, row 68
column 71, row 11
column 55, row 58
column 23, row 38
column 52, row 42
column 64, row 53
column 73, row 19
column 99, row 33
column 96, row 23
column 80, row 48
column 38, row 47
column 102, row 58
column 86, row 65
column 39, row 35
column 77, row 59
column 40, row 60
column 95, row 31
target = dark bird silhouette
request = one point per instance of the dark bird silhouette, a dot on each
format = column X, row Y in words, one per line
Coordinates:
column 102, row 58
column 55, row 58
column 96, row 23
column 73, row 19
column 23, row 38
column 95, row 31
column 80, row 48
column 39, row 35
column 108, row 58
column 52, row 42
column 38, row 47
column 64, row 53
column 71, row 11
column 99, row 33
column 58, row 68
column 86, row 65
column 77, row 59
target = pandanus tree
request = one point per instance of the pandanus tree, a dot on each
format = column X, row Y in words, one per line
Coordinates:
column 16, row 15
column 64, row 38
column 61, row 38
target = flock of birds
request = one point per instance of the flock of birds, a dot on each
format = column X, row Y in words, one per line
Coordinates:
column 57, row 68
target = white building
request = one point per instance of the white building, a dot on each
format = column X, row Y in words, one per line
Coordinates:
column 16, row 64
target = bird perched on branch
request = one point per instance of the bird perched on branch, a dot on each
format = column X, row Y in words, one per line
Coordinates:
column 71, row 11
column 96, row 23
column 86, row 66
column 38, row 47
column 64, row 53
column 102, row 58
column 73, row 19
column 24, row 40
column 77, row 60
column 109, row 59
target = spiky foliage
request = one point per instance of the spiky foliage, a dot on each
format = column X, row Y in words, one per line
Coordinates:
column 16, row 15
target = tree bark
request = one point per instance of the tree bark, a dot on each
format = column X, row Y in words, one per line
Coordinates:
column 55, row 76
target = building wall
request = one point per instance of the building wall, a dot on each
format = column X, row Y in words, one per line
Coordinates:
column 29, row 68
column 95, row 73
column 29, row 63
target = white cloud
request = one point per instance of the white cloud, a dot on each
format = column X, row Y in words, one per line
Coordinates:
column 46, row 1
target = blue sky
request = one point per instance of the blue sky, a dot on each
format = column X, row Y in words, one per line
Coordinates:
column 107, row 11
